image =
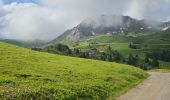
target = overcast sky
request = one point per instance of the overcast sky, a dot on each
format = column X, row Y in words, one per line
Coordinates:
column 46, row 19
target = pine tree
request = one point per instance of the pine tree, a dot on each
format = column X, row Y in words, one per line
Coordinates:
column 109, row 49
column 77, row 51
column 147, row 59
column 132, row 60
column 145, row 67
column 136, row 60
column 103, row 56
column 117, row 57
column 109, row 58
column 155, row 62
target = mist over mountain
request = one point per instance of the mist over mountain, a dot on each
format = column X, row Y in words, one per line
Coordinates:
column 47, row 19
column 166, row 26
column 103, row 24
column 111, row 24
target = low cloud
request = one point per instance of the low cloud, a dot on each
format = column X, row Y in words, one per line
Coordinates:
column 47, row 19
column 27, row 21
column 148, row 9
column 134, row 9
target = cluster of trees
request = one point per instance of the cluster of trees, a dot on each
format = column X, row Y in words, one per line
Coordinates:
column 150, row 63
column 146, row 64
column 109, row 55
column 134, row 46
column 36, row 49
column 65, row 50
column 58, row 49
column 160, row 54
column 92, row 53
column 133, row 60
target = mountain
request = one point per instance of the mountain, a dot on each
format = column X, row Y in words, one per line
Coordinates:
column 127, row 36
column 27, row 44
column 105, row 24
column 31, row 75
column 166, row 26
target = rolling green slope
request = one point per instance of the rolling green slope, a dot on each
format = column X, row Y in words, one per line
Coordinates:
column 151, row 40
column 148, row 42
column 120, row 43
column 31, row 75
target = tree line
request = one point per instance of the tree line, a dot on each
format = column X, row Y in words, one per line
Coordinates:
column 108, row 54
column 163, row 55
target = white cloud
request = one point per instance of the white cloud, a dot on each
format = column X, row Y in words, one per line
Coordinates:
column 88, row 7
column 27, row 21
column 49, row 18
column 135, row 10
column 140, row 9
column 148, row 9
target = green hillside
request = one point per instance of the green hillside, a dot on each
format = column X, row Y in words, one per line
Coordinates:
column 31, row 75
column 101, row 42
column 146, row 42
column 121, row 43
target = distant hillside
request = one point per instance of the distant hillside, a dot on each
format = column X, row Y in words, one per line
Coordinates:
column 27, row 74
column 27, row 44
column 105, row 24
column 140, row 44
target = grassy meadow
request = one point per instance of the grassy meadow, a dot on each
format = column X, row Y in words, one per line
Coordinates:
column 31, row 75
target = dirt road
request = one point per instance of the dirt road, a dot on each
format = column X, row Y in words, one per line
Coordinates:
column 156, row 87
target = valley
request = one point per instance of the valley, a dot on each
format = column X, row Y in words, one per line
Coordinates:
column 84, row 50
column 128, row 37
column 133, row 43
column 99, row 59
